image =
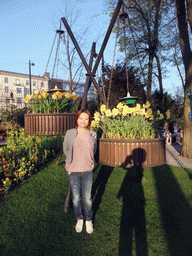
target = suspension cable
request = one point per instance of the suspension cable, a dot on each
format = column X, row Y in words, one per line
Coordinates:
column 135, row 44
column 125, row 49
column 112, row 68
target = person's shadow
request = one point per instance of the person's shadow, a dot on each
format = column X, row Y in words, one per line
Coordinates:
column 133, row 223
column 99, row 186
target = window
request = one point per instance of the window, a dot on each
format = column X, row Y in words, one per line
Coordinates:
column 34, row 83
column 18, row 90
column 6, row 101
column 17, row 81
column 6, row 89
column 18, row 100
column 27, row 82
column 26, row 91
column 42, row 84
column 6, row 79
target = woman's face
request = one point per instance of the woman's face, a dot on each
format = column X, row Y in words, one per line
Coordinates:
column 83, row 120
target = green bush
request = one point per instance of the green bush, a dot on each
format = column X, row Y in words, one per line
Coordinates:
column 13, row 117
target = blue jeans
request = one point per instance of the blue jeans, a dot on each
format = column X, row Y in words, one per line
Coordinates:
column 81, row 185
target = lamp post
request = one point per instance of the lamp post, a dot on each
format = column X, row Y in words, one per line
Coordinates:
column 30, row 64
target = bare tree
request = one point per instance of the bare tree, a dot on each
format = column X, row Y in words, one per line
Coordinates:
column 72, row 66
column 148, row 28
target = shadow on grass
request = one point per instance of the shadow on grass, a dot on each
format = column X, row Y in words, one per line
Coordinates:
column 99, row 184
column 133, row 210
column 188, row 173
column 176, row 213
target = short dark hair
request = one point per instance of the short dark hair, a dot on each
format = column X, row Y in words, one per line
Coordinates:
column 78, row 115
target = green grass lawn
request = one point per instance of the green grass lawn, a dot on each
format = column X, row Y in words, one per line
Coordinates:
column 153, row 217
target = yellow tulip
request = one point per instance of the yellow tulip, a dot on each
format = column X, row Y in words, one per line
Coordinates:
column 148, row 104
column 103, row 109
column 115, row 112
column 120, row 106
column 54, row 96
column 108, row 113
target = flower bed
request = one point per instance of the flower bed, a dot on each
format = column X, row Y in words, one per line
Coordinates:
column 24, row 155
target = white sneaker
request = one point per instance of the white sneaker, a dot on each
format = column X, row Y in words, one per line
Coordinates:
column 79, row 226
column 89, row 226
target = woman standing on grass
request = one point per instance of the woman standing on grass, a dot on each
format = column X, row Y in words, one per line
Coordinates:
column 79, row 147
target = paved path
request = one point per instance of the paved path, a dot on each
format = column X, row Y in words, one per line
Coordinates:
column 2, row 142
column 173, row 157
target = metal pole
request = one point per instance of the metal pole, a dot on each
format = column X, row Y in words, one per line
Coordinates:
column 83, row 59
column 114, row 17
column 30, row 64
column 86, row 88
column 30, row 76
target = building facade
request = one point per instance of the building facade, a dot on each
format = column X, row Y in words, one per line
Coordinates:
column 15, row 86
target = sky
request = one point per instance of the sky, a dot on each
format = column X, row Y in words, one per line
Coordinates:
column 28, row 28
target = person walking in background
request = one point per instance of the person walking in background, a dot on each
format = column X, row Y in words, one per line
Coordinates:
column 79, row 147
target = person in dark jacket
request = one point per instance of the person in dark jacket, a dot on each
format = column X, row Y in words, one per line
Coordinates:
column 176, row 136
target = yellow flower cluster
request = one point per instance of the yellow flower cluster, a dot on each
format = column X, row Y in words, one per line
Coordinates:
column 108, row 113
column 120, row 107
column 95, row 122
column 44, row 102
column 28, row 98
column 122, row 113
column 149, row 114
column 57, row 95
column 115, row 112
column 103, row 109
column 44, row 94
column 160, row 116
column 125, row 122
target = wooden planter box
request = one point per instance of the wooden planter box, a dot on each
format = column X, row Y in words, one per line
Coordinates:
column 127, row 153
column 52, row 124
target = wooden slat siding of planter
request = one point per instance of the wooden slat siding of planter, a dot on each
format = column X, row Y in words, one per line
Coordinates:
column 115, row 153
column 49, row 124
